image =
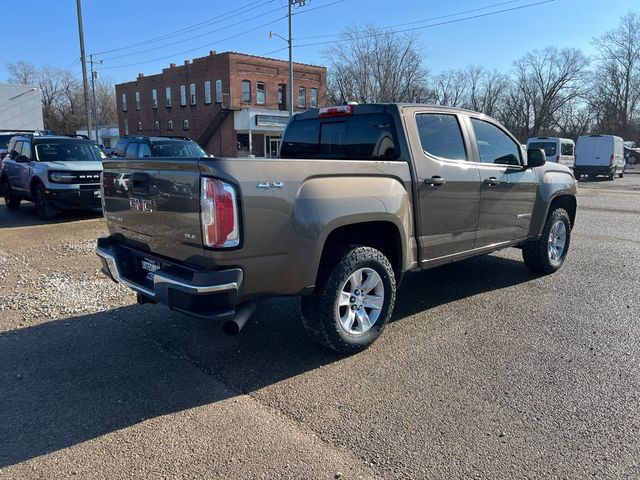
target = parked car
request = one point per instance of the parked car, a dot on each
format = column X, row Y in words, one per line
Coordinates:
column 558, row 150
column 159, row 146
column 631, row 153
column 599, row 155
column 361, row 195
column 54, row 172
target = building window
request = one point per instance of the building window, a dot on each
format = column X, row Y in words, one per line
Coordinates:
column 302, row 97
column 137, row 100
column 282, row 96
column 170, row 125
column 139, row 126
column 218, row 91
column 183, row 95
column 167, row 95
column 156, row 125
column 207, row 92
column 246, row 91
column 261, row 97
column 313, row 99
column 192, row 93
column 126, row 126
column 154, row 98
column 185, row 124
column 124, row 102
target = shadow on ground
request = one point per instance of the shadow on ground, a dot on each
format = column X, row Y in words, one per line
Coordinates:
column 68, row 381
column 26, row 216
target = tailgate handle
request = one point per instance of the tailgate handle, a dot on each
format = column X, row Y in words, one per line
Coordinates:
column 140, row 182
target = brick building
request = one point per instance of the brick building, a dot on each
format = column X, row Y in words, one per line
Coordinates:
column 227, row 102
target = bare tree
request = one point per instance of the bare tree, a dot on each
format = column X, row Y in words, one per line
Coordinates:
column 545, row 81
column 450, row 88
column 372, row 65
column 486, row 89
column 22, row 73
column 616, row 98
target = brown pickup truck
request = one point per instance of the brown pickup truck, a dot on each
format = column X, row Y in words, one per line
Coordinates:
column 360, row 195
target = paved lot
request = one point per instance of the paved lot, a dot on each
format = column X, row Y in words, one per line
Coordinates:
column 485, row 372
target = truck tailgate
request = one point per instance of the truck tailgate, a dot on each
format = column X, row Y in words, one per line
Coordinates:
column 154, row 205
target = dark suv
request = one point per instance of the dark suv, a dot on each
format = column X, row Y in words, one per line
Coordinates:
column 54, row 172
column 160, row 146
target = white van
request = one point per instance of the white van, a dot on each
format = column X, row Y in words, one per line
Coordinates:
column 558, row 150
column 599, row 155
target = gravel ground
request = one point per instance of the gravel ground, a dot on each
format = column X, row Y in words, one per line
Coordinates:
column 485, row 372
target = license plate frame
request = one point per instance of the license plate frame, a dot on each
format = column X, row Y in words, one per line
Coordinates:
column 150, row 266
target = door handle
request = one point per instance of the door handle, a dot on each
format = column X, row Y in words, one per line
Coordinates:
column 435, row 181
column 491, row 181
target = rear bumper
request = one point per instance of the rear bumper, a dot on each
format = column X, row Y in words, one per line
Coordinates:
column 593, row 169
column 74, row 198
column 200, row 293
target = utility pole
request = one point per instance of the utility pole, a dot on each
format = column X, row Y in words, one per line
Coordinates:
column 83, row 60
column 94, row 77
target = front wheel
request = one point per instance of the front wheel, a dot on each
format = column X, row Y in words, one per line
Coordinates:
column 43, row 208
column 547, row 253
column 352, row 302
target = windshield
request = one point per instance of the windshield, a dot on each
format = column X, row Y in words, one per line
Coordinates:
column 548, row 147
column 4, row 140
column 172, row 148
column 58, row 150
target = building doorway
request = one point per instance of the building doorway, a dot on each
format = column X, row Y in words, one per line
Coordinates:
column 272, row 146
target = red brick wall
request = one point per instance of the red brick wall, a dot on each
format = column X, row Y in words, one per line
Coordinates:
column 229, row 67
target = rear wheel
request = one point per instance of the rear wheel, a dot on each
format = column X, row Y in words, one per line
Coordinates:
column 547, row 254
column 43, row 208
column 10, row 199
column 352, row 302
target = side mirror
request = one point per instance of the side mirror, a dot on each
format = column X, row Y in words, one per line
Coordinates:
column 22, row 159
column 536, row 157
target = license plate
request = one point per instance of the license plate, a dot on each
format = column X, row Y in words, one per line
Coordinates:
column 150, row 266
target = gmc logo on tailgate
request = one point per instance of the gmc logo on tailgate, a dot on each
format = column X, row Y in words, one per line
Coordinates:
column 140, row 205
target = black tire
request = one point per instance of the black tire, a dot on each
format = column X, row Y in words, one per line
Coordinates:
column 10, row 199
column 43, row 208
column 621, row 175
column 321, row 312
column 536, row 254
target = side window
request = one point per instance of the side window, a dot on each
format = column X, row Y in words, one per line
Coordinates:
column 119, row 150
column 313, row 101
column 302, row 97
column 144, row 151
column 15, row 151
column 494, row 145
column 218, row 91
column 207, row 92
column 260, row 93
column 440, row 136
column 132, row 150
column 567, row 149
column 26, row 150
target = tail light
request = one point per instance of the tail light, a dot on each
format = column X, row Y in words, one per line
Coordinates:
column 219, row 214
column 557, row 158
column 341, row 111
column 611, row 160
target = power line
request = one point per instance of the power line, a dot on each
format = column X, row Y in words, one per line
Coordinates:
column 424, row 20
column 229, row 14
column 195, row 48
column 160, row 47
column 391, row 29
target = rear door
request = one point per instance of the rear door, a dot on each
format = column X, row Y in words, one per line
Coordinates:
column 448, row 183
column 508, row 189
column 602, row 150
column 158, row 209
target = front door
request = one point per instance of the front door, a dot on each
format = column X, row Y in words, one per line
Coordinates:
column 508, row 189
column 273, row 146
column 448, row 185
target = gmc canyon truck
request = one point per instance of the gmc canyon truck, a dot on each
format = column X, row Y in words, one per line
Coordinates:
column 360, row 195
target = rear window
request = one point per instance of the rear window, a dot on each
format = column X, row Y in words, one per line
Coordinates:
column 172, row 148
column 548, row 147
column 358, row 137
column 58, row 150
column 566, row 149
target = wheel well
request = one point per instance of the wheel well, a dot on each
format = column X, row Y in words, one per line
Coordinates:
column 34, row 181
column 568, row 202
column 383, row 236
